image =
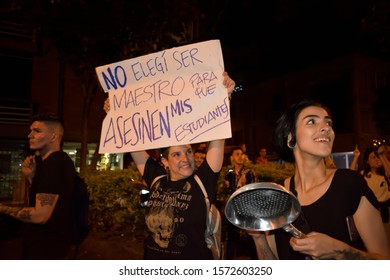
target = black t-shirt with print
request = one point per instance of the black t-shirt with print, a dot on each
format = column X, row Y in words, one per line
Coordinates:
column 176, row 214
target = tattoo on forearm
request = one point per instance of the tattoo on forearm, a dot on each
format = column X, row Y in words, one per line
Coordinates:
column 351, row 255
column 266, row 253
column 46, row 199
column 263, row 249
column 11, row 211
column 25, row 215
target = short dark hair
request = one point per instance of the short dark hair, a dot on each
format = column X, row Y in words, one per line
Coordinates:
column 202, row 151
column 286, row 124
column 48, row 118
column 236, row 148
column 164, row 152
column 51, row 119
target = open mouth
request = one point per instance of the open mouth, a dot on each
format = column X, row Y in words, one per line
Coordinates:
column 322, row 139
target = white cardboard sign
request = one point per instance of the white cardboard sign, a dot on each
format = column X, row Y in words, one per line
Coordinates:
column 172, row 97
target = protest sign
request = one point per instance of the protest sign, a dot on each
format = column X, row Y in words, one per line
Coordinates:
column 172, row 97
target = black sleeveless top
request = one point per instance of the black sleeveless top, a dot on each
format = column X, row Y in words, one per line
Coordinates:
column 328, row 214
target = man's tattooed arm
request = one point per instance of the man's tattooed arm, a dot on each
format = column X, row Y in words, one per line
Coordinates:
column 46, row 199
column 10, row 211
column 21, row 213
column 25, row 215
column 39, row 214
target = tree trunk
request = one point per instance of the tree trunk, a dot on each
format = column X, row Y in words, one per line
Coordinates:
column 89, row 90
column 95, row 158
column 84, row 134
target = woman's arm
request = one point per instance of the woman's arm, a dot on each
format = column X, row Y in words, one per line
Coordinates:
column 354, row 163
column 215, row 154
column 263, row 248
column 140, row 158
column 370, row 227
column 216, row 149
column 371, row 230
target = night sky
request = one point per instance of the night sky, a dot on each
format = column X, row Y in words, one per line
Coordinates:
column 263, row 39
column 268, row 38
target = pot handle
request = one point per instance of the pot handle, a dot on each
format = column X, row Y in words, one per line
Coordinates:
column 294, row 231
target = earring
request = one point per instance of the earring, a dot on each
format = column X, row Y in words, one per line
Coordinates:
column 290, row 141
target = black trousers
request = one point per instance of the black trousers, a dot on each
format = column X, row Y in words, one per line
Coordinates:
column 45, row 250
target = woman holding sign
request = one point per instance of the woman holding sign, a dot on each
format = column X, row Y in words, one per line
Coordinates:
column 176, row 212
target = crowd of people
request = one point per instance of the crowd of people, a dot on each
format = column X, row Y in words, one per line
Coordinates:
column 343, row 215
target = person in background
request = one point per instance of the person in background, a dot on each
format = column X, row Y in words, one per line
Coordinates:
column 385, row 149
column 378, row 180
column 238, row 176
column 262, row 158
column 202, row 146
column 52, row 175
column 175, row 215
column 329, row 163
column 356, row 155
column 200, row 155
column 155, row 154
column 384, row 154
column 331, row 199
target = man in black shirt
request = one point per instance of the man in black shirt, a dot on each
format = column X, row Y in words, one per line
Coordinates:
column 238, row 176
column 51, row 174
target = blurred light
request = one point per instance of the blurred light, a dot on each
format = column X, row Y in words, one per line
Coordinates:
column 238, row 89
column 376, row 143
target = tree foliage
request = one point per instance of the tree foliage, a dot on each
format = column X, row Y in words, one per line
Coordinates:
column 283, row 35
column 90, row 33
column 115, row 198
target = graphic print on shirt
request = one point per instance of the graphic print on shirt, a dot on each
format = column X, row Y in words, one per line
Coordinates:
column 165, row 214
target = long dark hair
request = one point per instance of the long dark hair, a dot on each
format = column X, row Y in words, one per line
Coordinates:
column 367, row 167
column 286, row 124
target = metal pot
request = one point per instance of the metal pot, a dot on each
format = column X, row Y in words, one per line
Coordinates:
column 263, row 206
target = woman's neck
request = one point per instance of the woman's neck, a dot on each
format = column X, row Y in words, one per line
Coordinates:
column 310, row 174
